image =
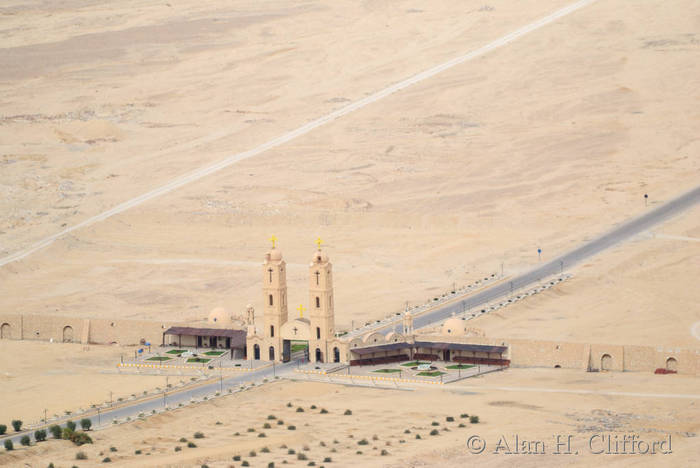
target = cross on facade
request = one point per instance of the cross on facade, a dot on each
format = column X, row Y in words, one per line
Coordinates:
column 294, row 330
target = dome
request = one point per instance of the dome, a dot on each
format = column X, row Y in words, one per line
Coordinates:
column 274, row 255
column 319, row 257
column 455, row 327
column 219, row 318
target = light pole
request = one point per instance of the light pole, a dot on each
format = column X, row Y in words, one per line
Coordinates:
column 99, row 420
column 561, row 267
column 646, row 198
column 44, row 415
column 110, row 398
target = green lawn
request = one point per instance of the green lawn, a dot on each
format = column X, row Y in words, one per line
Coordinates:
column 460, row 366
column 159, row 358
column 414, row 363
column 387, row 371
column 299, row 346
column 431, row 373
column 198, row 359
column 214, row 353
column 176, row 351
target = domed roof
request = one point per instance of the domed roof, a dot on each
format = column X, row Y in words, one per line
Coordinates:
column 319, row 257
column 454, row 327
column 219, row 318
column 274, row 254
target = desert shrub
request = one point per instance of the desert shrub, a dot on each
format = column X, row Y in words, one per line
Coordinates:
column 306, row 448
column 434, row 423
column 322, row 444
column 191, row 445
column 280, row 422
column 262, row 434
column 245, row 463
column 375, row 437
column 265, row 450
column 236, row 434
column 302, row 456
column 333, row 450
column 80, row 438
column 347, row 412
column 113, row 449
column 291, row 428
column 313, row 406
column 183, row 440
column 106, row 460
column 250, row 429
column 327, row 460
column 252, row 453
column 418, row 436
column 198, row 435
column 51, row 465
column 271, row 465
column 289, row 405
column 9, row 445
column 464, row 415
column 363, row 442
column 16, row 425
column 3, row 429
column 204, row 466
column 137, row 452
column 267, row 426
column 55, row 431
column 434, row 432
column 335, row 441
column 40, row 435
column 384, row 453
column 358, row 452
column 81, row 456
column 474, row 419
column 291, row 451
column 311, row 463
column 300, row 410
column 271, row 417
column 407, row 431
column 462, row 425
column 324, row 411
column 178, row 448
column 67, row 433
column 25, row 440
column 236, row 458
column 449, row 419
column 85, row 424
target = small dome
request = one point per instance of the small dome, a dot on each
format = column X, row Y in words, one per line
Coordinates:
column 319, row 257
column 454, row 327
column 274, row 255
column 219, row 318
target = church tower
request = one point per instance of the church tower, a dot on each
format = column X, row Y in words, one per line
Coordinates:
column 275, row 300
column 321, row 315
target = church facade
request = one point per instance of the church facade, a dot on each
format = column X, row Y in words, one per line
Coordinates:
column 274, row 340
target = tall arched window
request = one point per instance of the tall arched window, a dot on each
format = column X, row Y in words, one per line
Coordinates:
column 318, row 333
column 271, row 301
column 272, row 331
column 318, row 302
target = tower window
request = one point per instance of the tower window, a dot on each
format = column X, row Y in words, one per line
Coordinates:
column 269, row 270
column 318, row 302
column 318, row 333
column 272, row 331
column 271, row 301
column 317, row 276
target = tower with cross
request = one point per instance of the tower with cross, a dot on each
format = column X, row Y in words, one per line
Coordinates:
column 274, row 300
column 321, row 312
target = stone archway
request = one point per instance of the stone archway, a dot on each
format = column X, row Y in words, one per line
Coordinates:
column 606, row 362
column 671, row 364
column 67, row 334
column 336, row 354
column 319, row 355
column 5, row 331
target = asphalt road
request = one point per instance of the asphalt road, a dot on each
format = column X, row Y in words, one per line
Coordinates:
column 171, row 399
column 554, row 267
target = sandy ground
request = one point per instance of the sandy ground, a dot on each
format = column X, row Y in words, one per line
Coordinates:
column 545, row 142
column 647, row 283
column 59, row 377
column 387, row 414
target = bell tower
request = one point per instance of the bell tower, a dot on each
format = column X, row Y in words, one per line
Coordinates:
column 321, row 315
column 275, row 301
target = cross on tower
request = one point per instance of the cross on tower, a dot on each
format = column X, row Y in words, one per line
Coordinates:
column 301, row 310
column 319, row 242
column 273, row 239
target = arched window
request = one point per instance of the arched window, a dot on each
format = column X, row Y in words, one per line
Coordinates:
column 270, row 298
column 318, row 302
column 272, row 331
column 272, row 353
column 318, row 333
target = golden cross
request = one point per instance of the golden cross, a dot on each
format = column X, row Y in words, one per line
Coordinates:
column 301, row 310
column 319, row 242
column 273, row 239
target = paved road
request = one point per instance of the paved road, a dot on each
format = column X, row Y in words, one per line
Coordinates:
column 587, row 250
column 174, row 397
column 303, row 130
